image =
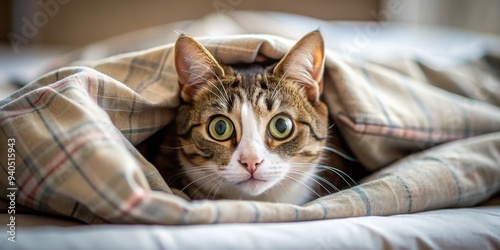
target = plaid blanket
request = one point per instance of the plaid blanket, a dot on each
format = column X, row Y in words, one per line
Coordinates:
column 430, row 136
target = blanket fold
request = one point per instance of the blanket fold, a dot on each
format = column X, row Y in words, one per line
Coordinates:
column 432, row 143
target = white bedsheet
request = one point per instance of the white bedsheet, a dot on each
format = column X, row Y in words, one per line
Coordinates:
column 468, row 228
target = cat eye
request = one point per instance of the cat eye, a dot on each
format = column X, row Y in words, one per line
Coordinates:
column 220, row 128
column 280, row 127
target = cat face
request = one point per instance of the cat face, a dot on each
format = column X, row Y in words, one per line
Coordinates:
column 250, row 132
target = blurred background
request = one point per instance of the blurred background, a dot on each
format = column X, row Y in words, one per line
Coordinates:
column 34, row 31
column 79, row 22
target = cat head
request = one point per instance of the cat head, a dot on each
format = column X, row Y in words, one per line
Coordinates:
column 251, row 132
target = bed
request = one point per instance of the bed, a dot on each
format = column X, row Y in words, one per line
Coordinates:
column 419, row 107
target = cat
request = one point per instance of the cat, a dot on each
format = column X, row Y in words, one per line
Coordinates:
column 251, row 132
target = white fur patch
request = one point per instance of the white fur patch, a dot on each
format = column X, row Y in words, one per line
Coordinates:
column 251, row 143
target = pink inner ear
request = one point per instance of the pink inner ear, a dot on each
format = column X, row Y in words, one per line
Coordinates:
column 318, row 68
column 183, row 68
column 305, row 63
column 188, row 56
column 195, row 66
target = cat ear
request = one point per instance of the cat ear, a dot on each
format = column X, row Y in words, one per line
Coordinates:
column 305, row 63
column 195, row 66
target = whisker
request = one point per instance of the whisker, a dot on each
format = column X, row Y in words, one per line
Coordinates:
column 211, row 83
column 216, row 185
column 335, row 170
column 275, row 87
column 183, row 172
column 323, row 180
column 281, row 188
column 218, row 79
column 203, row 186
column 203, row 177
column 203, row 87
column 220, row 97
column 195, row 170
column 278, row 91
column 310, row 176
column 303, row 185
column 339, row 173
column 179, row 32
column 343, row 155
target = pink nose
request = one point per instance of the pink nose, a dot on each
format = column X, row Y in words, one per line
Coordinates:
column 251, row 163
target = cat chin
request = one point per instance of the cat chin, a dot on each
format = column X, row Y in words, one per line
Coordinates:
column 254, row 187
column 270, row 191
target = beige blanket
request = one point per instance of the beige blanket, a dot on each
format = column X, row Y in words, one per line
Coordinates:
column 430, row 136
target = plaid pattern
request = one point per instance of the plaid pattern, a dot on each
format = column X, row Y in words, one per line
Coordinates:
column 76, row 127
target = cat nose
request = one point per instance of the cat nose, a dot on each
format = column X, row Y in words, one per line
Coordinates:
column 251, row 163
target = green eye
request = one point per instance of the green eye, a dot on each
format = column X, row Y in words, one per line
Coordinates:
column 220, row 128
column 280, row 127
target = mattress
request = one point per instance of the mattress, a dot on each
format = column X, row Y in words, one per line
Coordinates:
column 464, row 228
